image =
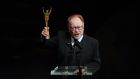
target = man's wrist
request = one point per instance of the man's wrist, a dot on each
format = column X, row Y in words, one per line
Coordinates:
column 47, row 37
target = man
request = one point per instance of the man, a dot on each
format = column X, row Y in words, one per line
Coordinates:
column 74, row 47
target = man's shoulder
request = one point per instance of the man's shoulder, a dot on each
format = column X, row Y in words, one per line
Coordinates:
column 90, row 39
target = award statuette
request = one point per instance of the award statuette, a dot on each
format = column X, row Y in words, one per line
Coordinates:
column 46, row 17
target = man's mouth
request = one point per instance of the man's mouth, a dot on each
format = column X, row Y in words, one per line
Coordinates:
column 76, row 34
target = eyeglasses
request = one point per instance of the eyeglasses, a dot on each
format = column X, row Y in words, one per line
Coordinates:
column 79, row 28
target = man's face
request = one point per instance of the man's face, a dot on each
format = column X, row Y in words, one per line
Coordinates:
column 76, row 27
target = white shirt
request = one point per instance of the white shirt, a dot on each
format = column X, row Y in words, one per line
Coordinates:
column 72, row 40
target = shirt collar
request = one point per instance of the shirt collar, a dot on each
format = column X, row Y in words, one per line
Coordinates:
column 80, row 39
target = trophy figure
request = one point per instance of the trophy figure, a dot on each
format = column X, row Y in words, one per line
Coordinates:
column 46, row 16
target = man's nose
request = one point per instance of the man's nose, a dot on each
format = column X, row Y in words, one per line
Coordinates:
column 76, row 30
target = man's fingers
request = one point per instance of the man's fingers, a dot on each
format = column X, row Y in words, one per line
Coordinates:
column 76, row 71
column 46, row 28
column 45, row 33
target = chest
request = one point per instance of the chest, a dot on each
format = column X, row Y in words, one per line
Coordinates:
column 66, row 49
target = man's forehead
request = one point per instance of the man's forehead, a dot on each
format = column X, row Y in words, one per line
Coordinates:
column 76, row 21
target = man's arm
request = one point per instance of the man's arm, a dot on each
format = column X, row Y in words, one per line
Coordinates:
column 50, row 43
column 95, row 61
column 46, row 40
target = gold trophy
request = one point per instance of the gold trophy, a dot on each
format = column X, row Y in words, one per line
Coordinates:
column 46, row 16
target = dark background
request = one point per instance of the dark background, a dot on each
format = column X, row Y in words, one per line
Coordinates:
column 113, row 23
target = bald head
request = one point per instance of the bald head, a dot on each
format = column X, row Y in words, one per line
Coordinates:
column 76, row 18
column 76, row 25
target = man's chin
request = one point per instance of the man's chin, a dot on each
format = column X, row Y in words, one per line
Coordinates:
column 77, row 37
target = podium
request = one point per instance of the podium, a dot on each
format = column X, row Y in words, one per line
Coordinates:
column 69, row 71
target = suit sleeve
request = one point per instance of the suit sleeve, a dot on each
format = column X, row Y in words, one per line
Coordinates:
column 95, row 62
column 49, row 43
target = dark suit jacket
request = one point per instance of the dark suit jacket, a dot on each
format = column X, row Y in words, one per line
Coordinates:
column 87, row 54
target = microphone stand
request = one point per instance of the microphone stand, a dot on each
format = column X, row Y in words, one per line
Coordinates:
column 77, row 44
column 76, row 48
